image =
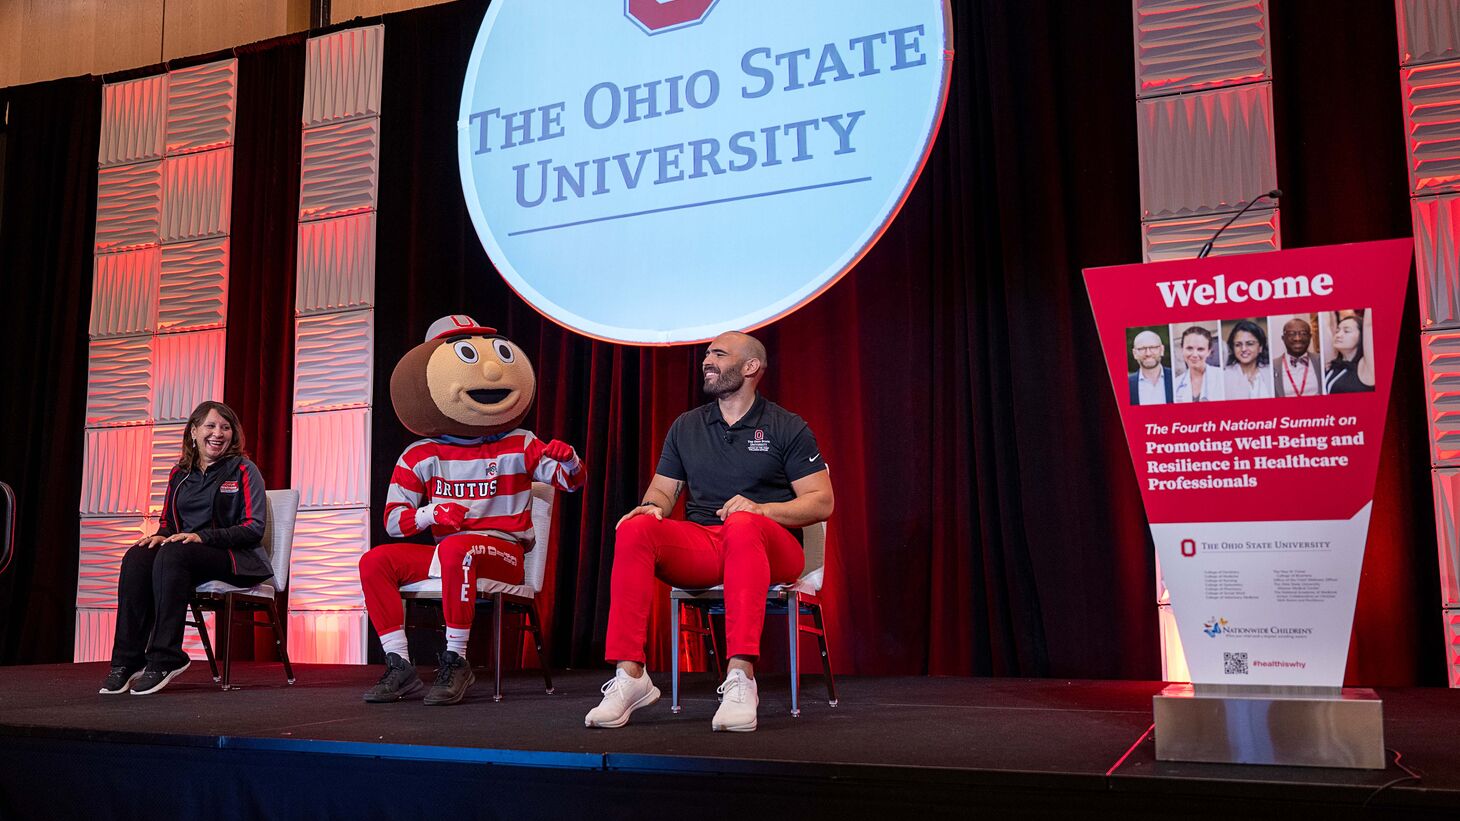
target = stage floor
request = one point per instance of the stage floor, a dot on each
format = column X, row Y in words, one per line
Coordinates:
column 961, row 736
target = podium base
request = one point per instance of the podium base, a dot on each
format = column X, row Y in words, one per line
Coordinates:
column 1291, row 726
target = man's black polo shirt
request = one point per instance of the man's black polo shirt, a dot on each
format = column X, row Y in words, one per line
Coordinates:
column 758, row 457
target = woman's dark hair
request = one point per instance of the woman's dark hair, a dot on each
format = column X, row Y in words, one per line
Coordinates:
column 1256, row 330
column 1197, row 330
column 238, row 447
column 1338, row 360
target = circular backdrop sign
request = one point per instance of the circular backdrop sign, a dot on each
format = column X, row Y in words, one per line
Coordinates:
column 659, row 171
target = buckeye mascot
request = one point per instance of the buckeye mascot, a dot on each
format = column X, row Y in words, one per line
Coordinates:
column 469, row 481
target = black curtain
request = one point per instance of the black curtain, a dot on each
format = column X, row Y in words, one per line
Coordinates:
column 47, row 226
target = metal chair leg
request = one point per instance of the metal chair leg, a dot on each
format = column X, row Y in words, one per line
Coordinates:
column 793, row 623
column 498, row 610
column 542, row 656
column 202, row 627
column 708, row 620
column 279, row 644
column 825, row 656
column 225, row 641
column 676, row 612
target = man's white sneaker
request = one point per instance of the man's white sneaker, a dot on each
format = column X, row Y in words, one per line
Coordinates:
column 739, row 697
column 622, row 695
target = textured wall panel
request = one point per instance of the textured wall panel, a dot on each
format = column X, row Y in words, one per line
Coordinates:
column 1429, row 30
column 1437, row 259
column 339, row 171
column 1452, row 645
column 1432, row 126
column 336, row 268
column 128, row 206
column 1256, row 232
column 1205, row 152
column 1447, row 529
column 327, row 636
column 331, row 458
column 1442, row 380
column 1185, row 46
column 114, row 472
column 119, row 381
column 166, row 450
column 333, row 361
column 342, row 72
column 324, row 567
column 200, row 107
column 197, row 195
column 124, row 292
column 103, row 542
column 189, row 370
column 194, row 285
column 94, row 632
column 132, row 120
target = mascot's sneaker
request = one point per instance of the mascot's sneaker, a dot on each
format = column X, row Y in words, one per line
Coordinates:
column 119, row 680
column 453, row 677
column 154, row 679
column 399, row 682
column 739, row 697
column 622, row 695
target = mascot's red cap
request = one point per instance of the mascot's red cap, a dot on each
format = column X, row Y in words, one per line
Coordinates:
column 456, row 325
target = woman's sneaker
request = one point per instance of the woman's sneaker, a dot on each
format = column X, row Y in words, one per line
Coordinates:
column 399, row 682
column 622, row 695
column 118, row 680
column 154, row 679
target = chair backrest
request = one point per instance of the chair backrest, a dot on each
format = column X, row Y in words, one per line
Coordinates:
column 535, row 565
column 813, row 543
column 7, row 526
column 279, row 532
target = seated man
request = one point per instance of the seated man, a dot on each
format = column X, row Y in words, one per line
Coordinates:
column 753, row 471
column 466, row 389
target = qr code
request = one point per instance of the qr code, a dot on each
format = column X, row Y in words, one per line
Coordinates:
column 1234, row 664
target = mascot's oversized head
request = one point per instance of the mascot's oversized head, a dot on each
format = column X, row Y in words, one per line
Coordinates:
column 464, row 380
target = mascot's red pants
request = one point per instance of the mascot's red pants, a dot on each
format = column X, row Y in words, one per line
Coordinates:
column 465, row 557
column 746, row 554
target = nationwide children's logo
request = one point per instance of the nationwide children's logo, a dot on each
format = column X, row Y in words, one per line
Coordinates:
column 228, row 487
column 1214, row 626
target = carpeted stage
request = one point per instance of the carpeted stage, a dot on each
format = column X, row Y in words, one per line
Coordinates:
column 894, row 748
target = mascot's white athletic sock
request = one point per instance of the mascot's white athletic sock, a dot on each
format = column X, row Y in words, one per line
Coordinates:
column 456, row 639
column 395, row 642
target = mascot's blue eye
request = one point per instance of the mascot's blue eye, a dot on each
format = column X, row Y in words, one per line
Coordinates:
column 504, row 351
column 466, row 353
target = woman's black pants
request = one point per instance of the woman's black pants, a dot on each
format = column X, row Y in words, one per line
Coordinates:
column 153, row 590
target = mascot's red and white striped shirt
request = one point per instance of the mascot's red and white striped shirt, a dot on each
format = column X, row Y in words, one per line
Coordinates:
column 490, row 476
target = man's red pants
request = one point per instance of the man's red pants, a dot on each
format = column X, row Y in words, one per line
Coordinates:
column 746, row 554
column 465, row 557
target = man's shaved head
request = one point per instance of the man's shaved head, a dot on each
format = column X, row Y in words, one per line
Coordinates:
column 745, row 346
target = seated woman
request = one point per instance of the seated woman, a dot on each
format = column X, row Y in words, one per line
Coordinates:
column 212, row 528
column 1352, row 368
column 1248, row 374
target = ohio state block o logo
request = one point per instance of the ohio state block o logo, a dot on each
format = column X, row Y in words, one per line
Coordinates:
column 663, row 189
column 655, row 16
